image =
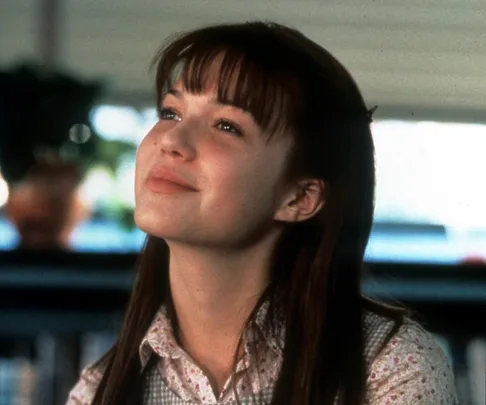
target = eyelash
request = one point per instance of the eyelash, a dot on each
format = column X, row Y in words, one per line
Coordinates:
column 162, row 111
column 232, row 128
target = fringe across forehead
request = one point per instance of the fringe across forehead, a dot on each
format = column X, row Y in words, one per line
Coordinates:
column 240, row 67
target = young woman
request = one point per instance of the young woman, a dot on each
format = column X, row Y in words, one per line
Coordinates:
column 256, row 189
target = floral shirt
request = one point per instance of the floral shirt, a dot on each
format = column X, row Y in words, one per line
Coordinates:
column 411, row 369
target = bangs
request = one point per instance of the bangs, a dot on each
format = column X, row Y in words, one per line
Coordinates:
column 244, row 73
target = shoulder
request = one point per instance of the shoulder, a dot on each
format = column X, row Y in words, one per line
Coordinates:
column 411, row 369
column 84, row 390
column 87, row 385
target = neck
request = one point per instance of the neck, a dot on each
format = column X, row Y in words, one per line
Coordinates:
column 213, row 294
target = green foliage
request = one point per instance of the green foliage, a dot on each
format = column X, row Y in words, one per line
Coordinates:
column 109, row 153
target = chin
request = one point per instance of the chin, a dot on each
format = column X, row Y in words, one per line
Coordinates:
column 148, row 223
column 163, row 227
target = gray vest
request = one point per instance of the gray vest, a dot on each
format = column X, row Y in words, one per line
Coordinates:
column 376, row 330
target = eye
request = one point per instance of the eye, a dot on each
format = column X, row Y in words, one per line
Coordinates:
column 227, row 126
column 168, row 114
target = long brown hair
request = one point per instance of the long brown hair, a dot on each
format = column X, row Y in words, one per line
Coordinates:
column 287, row 82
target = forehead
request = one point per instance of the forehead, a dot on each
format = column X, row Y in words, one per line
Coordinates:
column 235, row 79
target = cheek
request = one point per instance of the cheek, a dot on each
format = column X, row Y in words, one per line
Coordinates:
column 245, row 185
column 232, row 174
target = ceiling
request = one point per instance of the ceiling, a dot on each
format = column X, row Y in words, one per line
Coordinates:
column 414, row 58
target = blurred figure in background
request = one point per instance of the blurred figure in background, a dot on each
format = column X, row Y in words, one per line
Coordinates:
column 45, row 206
column 46, row 145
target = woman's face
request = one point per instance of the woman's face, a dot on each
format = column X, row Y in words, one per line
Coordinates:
column 233, row 175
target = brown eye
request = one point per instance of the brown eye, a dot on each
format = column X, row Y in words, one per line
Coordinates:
column 168, row 114
column 227, row 126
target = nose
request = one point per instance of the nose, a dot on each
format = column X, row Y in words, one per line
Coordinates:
column 177, row 141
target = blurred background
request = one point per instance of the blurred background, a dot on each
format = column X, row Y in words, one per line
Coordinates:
column 76, row 98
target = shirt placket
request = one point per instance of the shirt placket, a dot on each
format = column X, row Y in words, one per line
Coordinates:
column 242, row 366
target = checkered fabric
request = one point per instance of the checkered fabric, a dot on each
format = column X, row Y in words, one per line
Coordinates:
column 158, row 394
column 376, row 330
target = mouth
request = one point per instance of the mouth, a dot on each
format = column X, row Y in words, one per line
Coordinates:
column 164, row 181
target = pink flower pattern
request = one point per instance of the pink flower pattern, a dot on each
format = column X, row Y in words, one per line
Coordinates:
column 411, row 369
column 254, row 372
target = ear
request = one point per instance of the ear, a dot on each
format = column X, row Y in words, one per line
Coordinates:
column 302, row 201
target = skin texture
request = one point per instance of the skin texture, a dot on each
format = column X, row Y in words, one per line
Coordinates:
column 221, row 233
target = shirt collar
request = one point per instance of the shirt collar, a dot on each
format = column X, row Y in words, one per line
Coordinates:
column 160, row 338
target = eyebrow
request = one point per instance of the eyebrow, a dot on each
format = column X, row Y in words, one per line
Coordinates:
column 178, row 94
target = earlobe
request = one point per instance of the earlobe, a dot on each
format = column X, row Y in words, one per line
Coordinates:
column 303, row 202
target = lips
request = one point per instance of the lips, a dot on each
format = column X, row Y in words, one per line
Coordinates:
column 162, row 179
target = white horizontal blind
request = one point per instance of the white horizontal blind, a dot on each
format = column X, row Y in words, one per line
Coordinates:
column 414, row 55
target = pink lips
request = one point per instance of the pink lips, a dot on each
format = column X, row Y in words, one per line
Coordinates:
column 164, row 181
